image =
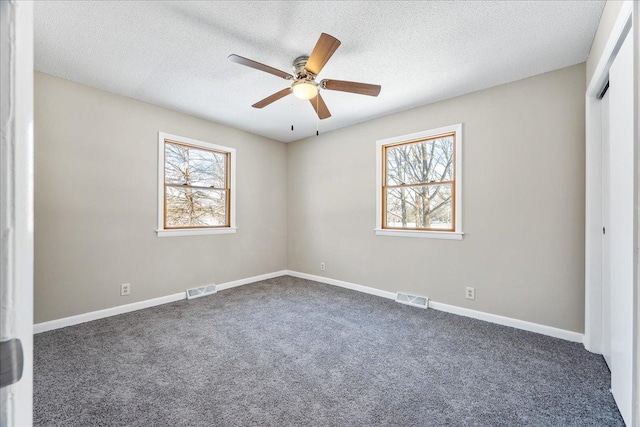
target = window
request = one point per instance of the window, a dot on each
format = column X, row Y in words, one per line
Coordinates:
column 419, row 184
column 196, row 187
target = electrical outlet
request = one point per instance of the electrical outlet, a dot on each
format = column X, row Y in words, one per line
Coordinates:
column 471, row 293
column 125, row 289
column 322, row 266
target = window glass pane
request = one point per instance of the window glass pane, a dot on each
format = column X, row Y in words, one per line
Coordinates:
column 426, row 161
column 426, row 206
column 192, row 166
column 195, row 207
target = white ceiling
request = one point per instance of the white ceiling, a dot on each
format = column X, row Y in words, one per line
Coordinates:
column 173, row 54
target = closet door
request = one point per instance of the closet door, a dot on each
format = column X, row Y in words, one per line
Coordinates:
column 620, row 230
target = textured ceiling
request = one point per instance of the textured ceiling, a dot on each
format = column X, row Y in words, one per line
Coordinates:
column 173, row 54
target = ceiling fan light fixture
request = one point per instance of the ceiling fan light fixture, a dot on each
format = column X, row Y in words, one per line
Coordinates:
column 304, row 89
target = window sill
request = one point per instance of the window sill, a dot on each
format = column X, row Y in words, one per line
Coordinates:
column 196, row 232
column 446, row 235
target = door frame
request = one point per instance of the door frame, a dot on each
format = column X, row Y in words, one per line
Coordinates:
column 635, row 416
column 593, row 196
column 16, row 203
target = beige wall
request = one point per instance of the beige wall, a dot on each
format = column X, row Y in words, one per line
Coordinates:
column 523, row 201
column 523, row 204
column 96, row 212
column 608, row 19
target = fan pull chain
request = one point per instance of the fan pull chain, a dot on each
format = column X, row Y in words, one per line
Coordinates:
column 317, row 115
column 291, row 115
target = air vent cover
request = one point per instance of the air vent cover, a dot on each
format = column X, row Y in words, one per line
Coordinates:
column 201, row 291
column 416, row 301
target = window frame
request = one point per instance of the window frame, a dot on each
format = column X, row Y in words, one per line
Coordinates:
column 381, row 147
column 230, row 166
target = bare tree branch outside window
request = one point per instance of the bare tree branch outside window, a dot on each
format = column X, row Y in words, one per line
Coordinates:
column 196, row 187
column 419, row 184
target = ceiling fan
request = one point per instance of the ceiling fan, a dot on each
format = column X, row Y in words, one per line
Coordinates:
column 306, row 69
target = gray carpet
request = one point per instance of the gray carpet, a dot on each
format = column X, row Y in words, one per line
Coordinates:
column 291, row 352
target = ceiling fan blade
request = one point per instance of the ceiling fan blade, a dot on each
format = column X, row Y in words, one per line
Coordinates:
column 258, row 66
column 272, row 98
column 321, row 108
column 353, row 87
column 325, row 47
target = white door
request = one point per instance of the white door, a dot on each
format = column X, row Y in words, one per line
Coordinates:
column 16, row 210
column 620, row 229
column 606, row 290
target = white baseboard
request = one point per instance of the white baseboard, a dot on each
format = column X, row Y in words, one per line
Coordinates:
column 121, row 309
column 241, row 282
column 107, row 312
column 508, row 321
column 480, row 315
column 342, row 284
column 487, row 317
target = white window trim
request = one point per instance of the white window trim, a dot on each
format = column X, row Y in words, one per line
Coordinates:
column 161, row 231
column 457, row 234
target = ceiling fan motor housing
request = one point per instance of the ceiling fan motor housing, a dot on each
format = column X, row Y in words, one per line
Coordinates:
column 299, row 69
